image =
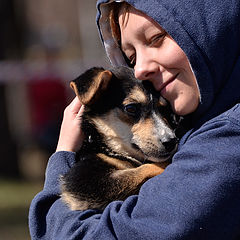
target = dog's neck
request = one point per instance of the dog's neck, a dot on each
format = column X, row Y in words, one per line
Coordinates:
column 108, row 151
column 94, row 145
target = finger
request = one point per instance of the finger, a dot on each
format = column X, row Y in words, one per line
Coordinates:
column 75, row 105
column 80, row 112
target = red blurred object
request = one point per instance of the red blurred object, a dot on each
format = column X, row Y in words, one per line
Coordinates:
column 48, row 99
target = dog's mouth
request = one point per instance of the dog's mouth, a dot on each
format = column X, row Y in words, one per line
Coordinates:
column 153, row 155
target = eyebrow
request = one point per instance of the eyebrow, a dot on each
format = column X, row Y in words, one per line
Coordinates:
column 142, row 29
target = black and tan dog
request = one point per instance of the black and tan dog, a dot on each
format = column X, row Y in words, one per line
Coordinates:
column 129, row 133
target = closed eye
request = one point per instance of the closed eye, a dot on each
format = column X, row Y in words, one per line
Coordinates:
column 131, row 61
column 157, row 39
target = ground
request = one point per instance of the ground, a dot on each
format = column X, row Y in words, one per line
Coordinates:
column 15, row 198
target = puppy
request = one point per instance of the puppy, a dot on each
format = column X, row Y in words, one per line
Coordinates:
column 129, row 136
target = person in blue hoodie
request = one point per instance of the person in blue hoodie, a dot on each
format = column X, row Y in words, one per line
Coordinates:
column 190, row 51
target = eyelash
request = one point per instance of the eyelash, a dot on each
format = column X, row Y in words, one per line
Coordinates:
column 131, row 61
column 157, row 38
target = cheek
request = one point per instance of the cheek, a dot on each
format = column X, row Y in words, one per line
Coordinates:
column 174, row 56
column 184, row 97
column 186, row 101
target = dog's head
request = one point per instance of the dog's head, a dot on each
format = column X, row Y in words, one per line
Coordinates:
column 132, row 119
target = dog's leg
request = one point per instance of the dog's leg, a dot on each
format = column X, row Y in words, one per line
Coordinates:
column 142, row 173
column 129, row 181
column 118, row 185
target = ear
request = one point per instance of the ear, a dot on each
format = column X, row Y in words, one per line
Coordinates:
column 89, row 86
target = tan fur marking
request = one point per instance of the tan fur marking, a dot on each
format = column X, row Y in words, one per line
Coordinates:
column 76, row 204
column 136, row 95
column 71, row 201
column 117, row 134
column 115, row 162
column 124, row 117
column 143, row 130
column 99, row 84
column 136, row 176
column 151, row 170
column 162, row 102
column 147, row 137
column 111, row 127
column 73, row 85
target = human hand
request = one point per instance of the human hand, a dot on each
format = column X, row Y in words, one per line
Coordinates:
column 71, row 135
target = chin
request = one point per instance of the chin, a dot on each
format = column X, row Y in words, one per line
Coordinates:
column 179, row 112
column 184, row 108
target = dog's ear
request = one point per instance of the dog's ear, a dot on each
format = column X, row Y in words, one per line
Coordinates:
column 89, row 86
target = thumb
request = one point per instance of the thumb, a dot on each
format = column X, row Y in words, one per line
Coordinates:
column 75, row 105
column 80, row 112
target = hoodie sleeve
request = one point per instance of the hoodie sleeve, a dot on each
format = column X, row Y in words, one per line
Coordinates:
column 197, row 196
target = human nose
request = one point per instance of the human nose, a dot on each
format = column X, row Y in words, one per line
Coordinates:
column 145, row 69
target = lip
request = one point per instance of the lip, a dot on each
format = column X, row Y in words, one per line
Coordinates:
column 168, row 82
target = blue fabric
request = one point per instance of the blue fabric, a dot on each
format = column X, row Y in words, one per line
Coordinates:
column 207, row 31
column 198, row 195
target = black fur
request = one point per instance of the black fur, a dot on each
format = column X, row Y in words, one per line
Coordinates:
column 93, row 181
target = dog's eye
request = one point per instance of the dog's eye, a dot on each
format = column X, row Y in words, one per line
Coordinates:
column 131, row 109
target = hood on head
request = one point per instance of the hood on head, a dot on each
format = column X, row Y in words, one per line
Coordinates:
column 207, row 31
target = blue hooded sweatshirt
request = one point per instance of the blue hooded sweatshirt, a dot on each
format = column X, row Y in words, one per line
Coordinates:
column 198, row 195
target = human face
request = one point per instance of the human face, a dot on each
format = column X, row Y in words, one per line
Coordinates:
column 156, row 57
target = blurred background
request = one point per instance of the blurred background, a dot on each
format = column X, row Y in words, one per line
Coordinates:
column 43, row 45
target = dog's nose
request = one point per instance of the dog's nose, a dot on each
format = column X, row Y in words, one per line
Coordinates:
column 170, row 143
